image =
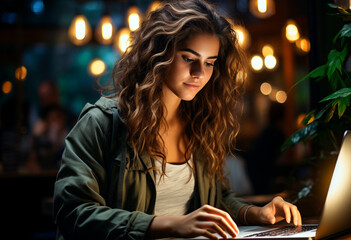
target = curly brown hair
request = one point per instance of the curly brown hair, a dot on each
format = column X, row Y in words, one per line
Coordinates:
column 211, row 117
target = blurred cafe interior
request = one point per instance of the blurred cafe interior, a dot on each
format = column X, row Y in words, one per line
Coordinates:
column 53, row 51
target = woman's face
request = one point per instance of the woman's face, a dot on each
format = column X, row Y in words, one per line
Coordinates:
column 192, row 67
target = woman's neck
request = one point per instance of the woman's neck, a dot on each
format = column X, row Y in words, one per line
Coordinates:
column 171, row 103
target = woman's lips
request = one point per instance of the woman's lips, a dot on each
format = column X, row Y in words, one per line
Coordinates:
column 192, row 86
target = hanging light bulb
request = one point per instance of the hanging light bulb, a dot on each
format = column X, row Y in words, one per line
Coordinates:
column 262, row 8
column 291, row 31
column 105, row 30
column 243, row 36
column 79, row 31
column 122, row 41
column 134, row 18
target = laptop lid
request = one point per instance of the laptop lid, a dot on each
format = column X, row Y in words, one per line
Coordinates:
column 336, row 215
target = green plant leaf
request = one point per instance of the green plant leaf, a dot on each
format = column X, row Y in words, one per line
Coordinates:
column 308, row 117
column 335, row 61
column 336, row 37
column 321, row 112
column 346, row 30
column 334, row 80
column 317, row 72
column 300, row 135
column 332, row 5
column 343, row 103
column 331, row 111
column 342, row 93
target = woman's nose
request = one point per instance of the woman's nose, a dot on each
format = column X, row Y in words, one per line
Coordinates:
column 197, row 70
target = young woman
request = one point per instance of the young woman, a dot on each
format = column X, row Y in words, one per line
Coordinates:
column 176, row 93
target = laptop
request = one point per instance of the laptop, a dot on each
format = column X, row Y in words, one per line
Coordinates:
column 336, row 216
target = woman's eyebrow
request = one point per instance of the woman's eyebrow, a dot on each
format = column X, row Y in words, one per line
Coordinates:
column 196, row 53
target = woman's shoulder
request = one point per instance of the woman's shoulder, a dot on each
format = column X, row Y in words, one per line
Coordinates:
column 100, row 112
column 103, row 106
column 107, row 104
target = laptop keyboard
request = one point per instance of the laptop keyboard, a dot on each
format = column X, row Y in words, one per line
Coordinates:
column 284, row 231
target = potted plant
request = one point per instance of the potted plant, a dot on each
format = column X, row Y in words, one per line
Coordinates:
column 324, row 126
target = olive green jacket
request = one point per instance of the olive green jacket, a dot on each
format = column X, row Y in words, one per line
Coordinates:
column 86, row 199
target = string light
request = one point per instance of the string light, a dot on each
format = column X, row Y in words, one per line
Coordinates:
column 122, row 41
column 134, row 18
column 243, row 36
column 291, row 31
column 105, row 30
column 262, row 8
column 79, row 31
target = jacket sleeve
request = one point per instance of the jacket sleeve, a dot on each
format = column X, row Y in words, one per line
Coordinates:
column 229, row 202
column 80, row 210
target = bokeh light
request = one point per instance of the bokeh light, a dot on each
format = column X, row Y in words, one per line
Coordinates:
column 97, row 67
column 256, row 63
column 281, row 96
column 266, row 88
column 6, row 87
column 21, row 73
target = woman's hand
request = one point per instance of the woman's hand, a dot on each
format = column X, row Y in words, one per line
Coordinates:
column 204, row 221
column 275, row 211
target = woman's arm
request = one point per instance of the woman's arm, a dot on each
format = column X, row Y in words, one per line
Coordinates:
column 273, row 212
column 80, row 209
column 204, row 221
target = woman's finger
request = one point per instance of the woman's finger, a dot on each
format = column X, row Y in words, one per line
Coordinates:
column 287, row 212
column 213, row 227
column 295, row 215
column 206, row 234
column 225, row 216
column 219, row 221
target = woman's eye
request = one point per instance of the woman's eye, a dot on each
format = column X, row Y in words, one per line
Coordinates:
column 209, row 64
column 186, row 59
